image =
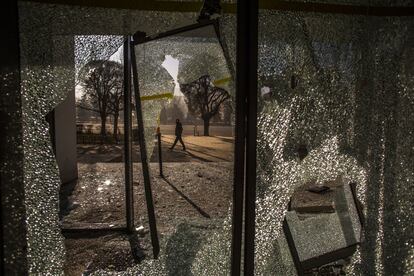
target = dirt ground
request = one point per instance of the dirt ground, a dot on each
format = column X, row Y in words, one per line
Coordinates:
column 196, row 192
column 196, row 189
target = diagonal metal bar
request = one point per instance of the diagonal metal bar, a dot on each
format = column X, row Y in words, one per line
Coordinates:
column 144, row 159
column 139, row 39
column 129, row 190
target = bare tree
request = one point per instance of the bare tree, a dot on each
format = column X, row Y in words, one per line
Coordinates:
column 204, row 99
column 102, row 83
column 116, row 101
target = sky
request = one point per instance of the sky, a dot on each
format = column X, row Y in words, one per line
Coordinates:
column 171, row 65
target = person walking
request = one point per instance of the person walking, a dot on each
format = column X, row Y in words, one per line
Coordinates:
column 178, row 134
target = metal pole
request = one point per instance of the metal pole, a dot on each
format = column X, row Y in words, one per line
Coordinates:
column 247, row 54
column 144, row 159
column 159, row 151
column 242, row 90
column 129, row 190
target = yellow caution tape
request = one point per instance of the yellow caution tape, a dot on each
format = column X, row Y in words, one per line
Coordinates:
column 157, row 96
column 222, row 81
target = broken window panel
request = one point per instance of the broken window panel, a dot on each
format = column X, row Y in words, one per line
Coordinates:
column 96, row 198
column 192, row 196
column 318, row 74
column 98, row 92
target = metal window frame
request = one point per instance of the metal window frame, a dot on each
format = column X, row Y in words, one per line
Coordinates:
column 13, row 227
column 280, row 5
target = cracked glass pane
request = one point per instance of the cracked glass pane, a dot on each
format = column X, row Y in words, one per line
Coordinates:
column 95, row 199
column 332, row 89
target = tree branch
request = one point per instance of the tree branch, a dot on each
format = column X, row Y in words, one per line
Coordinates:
column 87, row 108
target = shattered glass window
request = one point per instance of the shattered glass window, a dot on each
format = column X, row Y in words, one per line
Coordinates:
column 335, row 107
column 331, row 94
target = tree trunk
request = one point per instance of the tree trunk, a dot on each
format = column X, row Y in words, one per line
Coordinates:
column 103, row 127
column 116, row 127
column 206, row 126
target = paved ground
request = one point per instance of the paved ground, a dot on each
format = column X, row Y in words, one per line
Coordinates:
column 189, row 130
column 199, row 149
column 198, row 193
column 169, row 129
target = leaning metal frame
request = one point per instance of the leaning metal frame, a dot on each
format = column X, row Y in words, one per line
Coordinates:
column 144, row 159
column 141, row 38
